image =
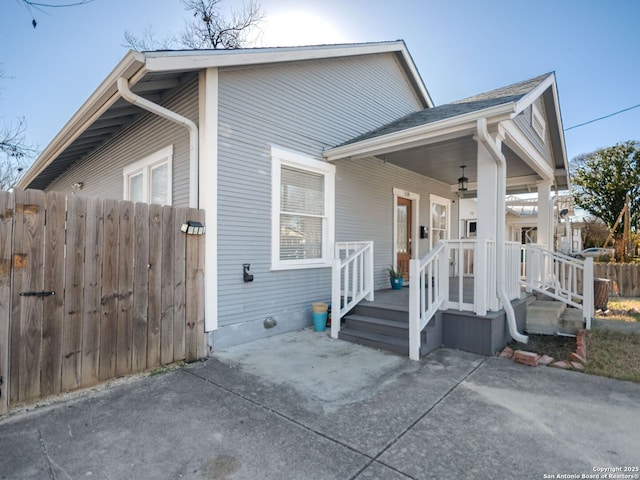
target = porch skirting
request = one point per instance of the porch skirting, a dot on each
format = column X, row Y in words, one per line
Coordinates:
column 484, row 335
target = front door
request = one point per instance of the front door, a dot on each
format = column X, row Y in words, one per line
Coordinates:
column 404, row 239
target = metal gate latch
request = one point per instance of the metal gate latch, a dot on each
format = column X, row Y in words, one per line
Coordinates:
column 37, row 294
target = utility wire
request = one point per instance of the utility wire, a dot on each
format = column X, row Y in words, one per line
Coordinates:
column 602, row 118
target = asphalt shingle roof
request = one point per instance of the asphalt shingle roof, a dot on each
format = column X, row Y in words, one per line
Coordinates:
column 493, row 98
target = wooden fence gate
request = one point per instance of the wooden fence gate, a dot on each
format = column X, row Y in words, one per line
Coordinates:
column 92, row 290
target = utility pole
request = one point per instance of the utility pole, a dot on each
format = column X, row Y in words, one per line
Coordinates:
column 626, row 236
column 626, row 230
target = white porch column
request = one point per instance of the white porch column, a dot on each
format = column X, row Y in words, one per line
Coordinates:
column 545, row 214
column 488, row 214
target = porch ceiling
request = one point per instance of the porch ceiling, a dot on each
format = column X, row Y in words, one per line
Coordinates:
column 442, row 161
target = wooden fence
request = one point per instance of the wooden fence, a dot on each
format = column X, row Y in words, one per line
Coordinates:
column 94, row 289
column 625, row 275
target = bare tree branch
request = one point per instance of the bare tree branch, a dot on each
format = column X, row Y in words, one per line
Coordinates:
column 148, row 41
column 207, row 29
column 15, row 153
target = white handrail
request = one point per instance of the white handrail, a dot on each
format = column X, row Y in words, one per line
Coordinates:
column 558, row 276
column 428, row 292
column 352, row 279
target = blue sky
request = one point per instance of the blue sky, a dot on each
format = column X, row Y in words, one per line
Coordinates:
column 461, row 47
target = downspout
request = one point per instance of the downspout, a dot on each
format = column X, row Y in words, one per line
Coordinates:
column 129, row 96
column 483, row 136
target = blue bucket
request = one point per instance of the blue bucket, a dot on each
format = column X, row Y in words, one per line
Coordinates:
column 319, row 321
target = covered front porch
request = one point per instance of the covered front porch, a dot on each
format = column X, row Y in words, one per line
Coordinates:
column 507, row 141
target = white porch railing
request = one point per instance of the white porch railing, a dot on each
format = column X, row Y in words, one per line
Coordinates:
column 512, row 267
column 561, row 277
column 352, row 279
column 523, row 262
column 477, row 259
column 428, row 292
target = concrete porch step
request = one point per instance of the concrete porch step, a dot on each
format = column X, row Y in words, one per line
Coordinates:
column 543, row 316
column 551, row 317
column 571, row 321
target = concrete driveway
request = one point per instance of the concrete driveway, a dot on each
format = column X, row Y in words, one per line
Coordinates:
column 303, row 406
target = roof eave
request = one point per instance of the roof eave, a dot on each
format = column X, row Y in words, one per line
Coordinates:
column 168, row 61
column 460, row 124
column 101, row 99
column 135, row 65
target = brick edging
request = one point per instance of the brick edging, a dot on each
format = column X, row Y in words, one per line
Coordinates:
column 576, row 360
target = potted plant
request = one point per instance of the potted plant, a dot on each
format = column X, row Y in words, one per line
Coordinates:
column 395, row 277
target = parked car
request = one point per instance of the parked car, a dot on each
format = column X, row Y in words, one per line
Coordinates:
column 594, row 252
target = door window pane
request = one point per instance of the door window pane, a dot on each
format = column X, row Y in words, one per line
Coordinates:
column 403, row 243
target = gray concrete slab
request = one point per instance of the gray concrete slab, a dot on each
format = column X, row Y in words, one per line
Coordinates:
column 166, row 427
column 361, row 397
column 511, row 421
column 304, row 406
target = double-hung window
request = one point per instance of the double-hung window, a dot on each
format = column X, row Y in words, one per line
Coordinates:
column 302, row 222
column 149, row 180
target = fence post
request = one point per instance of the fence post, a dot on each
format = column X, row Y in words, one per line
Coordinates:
column 6, row 261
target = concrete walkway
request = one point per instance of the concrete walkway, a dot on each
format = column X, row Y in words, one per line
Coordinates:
column 303, row 406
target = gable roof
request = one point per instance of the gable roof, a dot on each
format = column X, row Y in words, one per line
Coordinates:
column 508, row 95
column 459, row 120
column 154, row 73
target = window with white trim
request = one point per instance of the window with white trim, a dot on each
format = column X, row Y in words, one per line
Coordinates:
column 302, row 220
column 537, row 121
column 149, row 180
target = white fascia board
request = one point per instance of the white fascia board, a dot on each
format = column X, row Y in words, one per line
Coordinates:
column 100, row 100
column 460, row 125
column 524, row 102
column 531, row 97
column 523, row 147
column 196, row 60
column 556, row 104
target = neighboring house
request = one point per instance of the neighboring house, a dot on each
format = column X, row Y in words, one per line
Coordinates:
column 293, row 151
column 522, row 221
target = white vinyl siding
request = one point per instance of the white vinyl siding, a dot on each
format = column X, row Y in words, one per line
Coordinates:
column 149, row 180
column 302, row 211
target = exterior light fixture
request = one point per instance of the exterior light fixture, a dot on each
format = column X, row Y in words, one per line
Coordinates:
column 463, row 181
column 192, row 228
